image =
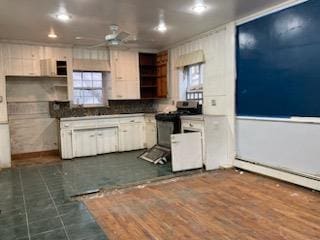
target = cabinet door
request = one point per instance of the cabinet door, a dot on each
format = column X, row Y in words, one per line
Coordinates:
column 126, row 90
column 186, row 151
column 126, row 66
column 85, row 143
column 131, row 137
column 107, row 140
column 14, row 67
column 66, row 145
column 30, row 67
column 133, row 90
column 151, row 134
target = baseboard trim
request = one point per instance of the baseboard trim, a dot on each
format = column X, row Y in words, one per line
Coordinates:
column 22, row 156
column 304, row 181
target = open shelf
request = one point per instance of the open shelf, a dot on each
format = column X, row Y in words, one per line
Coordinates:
column 153, row 75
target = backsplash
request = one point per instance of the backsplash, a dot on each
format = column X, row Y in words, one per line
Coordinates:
column 63, row 109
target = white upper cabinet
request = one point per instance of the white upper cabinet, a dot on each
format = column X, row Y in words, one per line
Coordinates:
column 125, row 90
column 124, row 82
column 125, row 65
column 22, row 60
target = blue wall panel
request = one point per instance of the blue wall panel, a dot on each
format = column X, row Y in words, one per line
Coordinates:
column 278, row 63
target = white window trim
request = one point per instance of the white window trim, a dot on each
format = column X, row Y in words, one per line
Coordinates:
column 184, row 82
column 104, row 103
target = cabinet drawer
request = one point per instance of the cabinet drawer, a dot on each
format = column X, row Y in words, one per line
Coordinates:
column 132, row 120
column 104, row 122
column 192, row 124
column 83, row 123
column 66, row 125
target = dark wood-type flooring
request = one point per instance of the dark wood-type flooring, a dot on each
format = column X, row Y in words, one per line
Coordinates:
column 217, row 205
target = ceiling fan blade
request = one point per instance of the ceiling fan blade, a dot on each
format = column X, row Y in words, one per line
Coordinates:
column 139, row 41
column 119, row 47
column 88, row 38
column 99, row 45
column 122, row 36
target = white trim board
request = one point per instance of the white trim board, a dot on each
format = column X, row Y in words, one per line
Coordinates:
column 311, row 120
column 268, row 11
column 278, row 174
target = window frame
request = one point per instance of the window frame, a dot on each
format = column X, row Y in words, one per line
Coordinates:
column 194, row 94
column 102, row 89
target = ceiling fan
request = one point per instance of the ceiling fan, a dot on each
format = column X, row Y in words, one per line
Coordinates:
column 116, row 38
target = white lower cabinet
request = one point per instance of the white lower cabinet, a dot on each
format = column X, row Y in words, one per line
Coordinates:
column 131, row 136
column 66, row 144
column 5, row 152
column 207, row 135
column 151, row 134
column 186, row 151
column 93, row 136
column 107, row 140
column 85, row 143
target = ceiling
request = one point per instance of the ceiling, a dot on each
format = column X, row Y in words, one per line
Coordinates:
column 32, row 20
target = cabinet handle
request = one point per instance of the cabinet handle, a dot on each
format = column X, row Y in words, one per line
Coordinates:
column 92, row 135
column 132, row 121
column 100, row 134
column 124, row 131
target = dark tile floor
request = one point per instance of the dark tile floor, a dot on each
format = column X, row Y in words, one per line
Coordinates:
column 35, row 201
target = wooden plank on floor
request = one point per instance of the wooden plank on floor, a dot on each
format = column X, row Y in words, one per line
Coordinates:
column 216, row 205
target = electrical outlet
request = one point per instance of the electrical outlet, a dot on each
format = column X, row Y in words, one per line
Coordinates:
column 213, row 102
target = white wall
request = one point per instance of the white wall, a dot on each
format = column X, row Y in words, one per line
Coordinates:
column 280, row 143
column 219, row 76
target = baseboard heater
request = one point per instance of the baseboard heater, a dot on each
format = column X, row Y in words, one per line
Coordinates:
column 304, row 180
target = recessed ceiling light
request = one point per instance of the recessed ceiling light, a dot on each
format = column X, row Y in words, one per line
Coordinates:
column 199, row 8
column 63, row 17
column 52, row 35
column 162, row 27
column 78, row 38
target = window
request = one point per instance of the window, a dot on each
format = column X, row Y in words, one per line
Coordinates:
column 88, row 88
column 194, row 82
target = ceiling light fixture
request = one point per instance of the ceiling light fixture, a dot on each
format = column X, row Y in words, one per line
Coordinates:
column 199, row 7
column 162, row 27
column 63, row 17
column 52, row 35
